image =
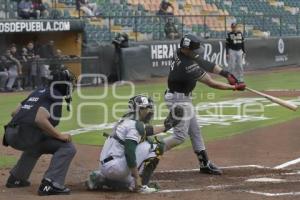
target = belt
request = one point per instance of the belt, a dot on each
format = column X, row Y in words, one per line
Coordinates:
column 106, row 160
column 184, row 93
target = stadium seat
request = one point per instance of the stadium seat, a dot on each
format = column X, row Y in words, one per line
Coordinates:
column 214, row 26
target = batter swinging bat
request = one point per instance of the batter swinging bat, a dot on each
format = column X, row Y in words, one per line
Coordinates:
column 281, row 102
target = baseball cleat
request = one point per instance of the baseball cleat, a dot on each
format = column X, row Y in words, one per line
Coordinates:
column 89, row 185
column 154, row 185
column 147, row 190
column 210, row 168
column 48, row 187
column 13, row 182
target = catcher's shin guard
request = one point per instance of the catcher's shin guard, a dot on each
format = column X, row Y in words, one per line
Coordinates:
column 206, row 166
column 149, row 166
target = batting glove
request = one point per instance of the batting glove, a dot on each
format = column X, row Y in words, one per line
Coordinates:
column 240, row 86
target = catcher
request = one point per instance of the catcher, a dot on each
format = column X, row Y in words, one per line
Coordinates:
column 128, row 157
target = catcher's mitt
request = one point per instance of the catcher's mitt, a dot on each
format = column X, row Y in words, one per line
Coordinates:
column 174, row 117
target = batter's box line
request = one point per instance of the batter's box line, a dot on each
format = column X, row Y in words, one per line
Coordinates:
column 268, row 194
column 228, row 167
column 210, row 187
column 287, row 164
column 222, row 187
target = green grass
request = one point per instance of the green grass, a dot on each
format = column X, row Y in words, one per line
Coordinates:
column 91, row 138
column 215, row 132
column 94, row 114
column 7, row 161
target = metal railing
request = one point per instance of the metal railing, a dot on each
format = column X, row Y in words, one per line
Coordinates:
column 143, row 27
column 55, row 9
column 34, row 73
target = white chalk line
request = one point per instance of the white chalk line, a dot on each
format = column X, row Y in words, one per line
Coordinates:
column 227, row 167
column 271, row 180
column 179, row 190
column 268, row 194
column 292, row 173
column 210, row 187
column 287, row 164
column 218, row 187
column 263, row 179
column 282, row 166
column 266, row 180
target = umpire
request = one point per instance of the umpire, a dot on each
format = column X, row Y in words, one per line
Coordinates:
column 235, row 51
column 186, row 70
column 32, row 130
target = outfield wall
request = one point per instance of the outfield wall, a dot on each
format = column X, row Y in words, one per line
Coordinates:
column 151, row 59
column 143, row 60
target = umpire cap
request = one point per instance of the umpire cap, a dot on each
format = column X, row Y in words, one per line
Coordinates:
column 190, row 41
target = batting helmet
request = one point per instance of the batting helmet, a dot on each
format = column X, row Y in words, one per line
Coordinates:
column 190, row 41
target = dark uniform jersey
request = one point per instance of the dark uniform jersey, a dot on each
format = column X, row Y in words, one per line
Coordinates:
column 39, row 98
column 235, row 41
column 185, row 72
column 165, row 5
column 30, row 54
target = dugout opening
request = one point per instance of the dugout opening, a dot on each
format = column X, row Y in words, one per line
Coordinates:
column 68, row 42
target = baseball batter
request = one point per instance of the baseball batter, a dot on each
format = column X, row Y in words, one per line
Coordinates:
column 128, row 160
column 235, row 51
column 186, row 70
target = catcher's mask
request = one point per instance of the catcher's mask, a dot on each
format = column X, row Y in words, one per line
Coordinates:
column 142, row 106
column 63, row 81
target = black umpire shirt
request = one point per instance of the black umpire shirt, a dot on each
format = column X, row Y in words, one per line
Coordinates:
column 39, row 98
column 186, row 71
column 29, row 134
column 235, row 41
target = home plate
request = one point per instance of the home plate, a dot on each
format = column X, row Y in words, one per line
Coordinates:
column 266, row 180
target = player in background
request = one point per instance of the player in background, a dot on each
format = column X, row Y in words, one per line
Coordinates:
column 186, row 70
column 128, row 158
column 235, row 52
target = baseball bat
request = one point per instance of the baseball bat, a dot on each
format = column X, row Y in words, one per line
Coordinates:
column 277, row 100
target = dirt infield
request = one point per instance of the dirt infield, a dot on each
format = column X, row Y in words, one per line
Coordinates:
column 248, row 161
